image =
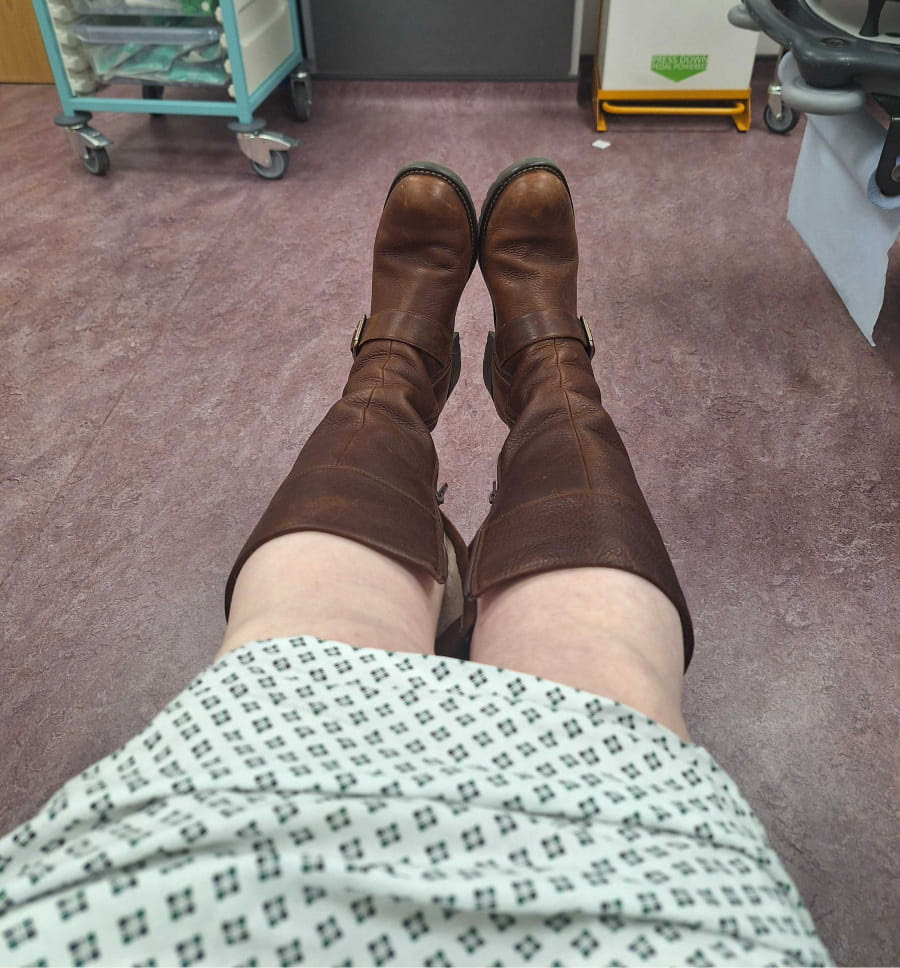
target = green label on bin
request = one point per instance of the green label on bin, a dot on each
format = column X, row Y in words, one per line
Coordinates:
column 678, row 67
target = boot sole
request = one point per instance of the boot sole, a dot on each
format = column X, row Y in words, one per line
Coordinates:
column 458, row 185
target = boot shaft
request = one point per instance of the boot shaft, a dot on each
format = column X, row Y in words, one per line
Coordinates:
column 417, row 374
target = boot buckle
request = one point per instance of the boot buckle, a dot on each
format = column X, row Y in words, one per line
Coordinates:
column 589, row 336
column 357, row 336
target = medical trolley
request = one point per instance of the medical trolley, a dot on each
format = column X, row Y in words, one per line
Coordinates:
column 236, row 51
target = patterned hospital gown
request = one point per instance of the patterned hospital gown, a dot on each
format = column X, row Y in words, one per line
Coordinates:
column 309, row 802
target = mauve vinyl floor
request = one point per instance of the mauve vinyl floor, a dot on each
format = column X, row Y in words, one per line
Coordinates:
column 172, row 333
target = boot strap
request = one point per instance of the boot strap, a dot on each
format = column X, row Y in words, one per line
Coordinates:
column 544, row 324
column 418, row 331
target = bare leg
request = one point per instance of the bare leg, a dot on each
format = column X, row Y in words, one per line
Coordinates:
column 319, row 584
column 602, row 630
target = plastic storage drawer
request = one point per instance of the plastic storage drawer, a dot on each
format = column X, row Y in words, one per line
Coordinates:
column 186, row 35
column 159, row 54
column 154, row 8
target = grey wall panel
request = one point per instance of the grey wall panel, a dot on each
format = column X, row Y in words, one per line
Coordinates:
column 443, row 38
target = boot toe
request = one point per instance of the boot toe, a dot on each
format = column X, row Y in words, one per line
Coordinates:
column 533, row 211
column 529, row 248
column 428, row 213
column 424, row 246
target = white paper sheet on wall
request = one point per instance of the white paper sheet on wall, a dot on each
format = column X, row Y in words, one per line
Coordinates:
column 831, row 207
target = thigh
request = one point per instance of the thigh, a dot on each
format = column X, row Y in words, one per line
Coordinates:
column 310, row 583
column 602, row 630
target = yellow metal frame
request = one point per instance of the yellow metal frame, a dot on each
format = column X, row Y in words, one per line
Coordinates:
column 733, row 104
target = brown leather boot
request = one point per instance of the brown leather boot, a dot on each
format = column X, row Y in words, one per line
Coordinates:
column 566, row 495
column 369, row 470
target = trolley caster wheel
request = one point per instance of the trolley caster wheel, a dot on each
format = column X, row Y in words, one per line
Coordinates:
column 152, row 92
column 95, row 160
column 278, row 162
column 301, row 97
column 781, row 125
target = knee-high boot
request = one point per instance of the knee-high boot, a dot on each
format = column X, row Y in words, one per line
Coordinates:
column 566, row 494
column 369, row 470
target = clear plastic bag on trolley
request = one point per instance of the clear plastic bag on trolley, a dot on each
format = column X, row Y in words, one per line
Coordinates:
column 160, row 63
